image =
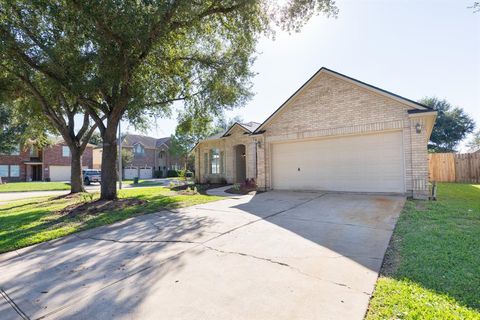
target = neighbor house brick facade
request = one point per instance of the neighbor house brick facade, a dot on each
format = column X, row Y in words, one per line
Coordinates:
column 335, row 133
column 34, row 164
column 151, row 157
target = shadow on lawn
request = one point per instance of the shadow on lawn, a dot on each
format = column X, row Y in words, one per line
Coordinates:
column 435, row 244
column 15, row 231
column 106, row 272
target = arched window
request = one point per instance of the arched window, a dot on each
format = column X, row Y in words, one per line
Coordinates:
column 138, row 149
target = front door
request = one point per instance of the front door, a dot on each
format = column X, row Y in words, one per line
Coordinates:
column 37, row 173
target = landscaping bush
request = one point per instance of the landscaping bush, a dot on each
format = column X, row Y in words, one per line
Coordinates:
column 172, row 173
column 249, row 184
column 158, row 174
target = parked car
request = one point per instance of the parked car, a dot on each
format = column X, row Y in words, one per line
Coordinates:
column 91, row 175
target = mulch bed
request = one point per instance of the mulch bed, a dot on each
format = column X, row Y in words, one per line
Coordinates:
column 201, row 188
column 241, row 191
column 99, row 206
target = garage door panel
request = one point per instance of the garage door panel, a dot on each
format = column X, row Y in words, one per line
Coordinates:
column 130, row 173
column 61, row 173
column 369, row 163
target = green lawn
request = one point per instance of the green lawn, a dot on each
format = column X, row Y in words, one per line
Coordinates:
column 33, row 186
column 26, row 222
column 432, row 266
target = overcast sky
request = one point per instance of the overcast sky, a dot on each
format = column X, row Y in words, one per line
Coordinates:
column 413, row 48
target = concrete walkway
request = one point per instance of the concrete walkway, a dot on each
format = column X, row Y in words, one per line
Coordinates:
column 275, row 255
column 220, row 192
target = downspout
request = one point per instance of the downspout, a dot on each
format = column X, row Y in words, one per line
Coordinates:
column 256, row 160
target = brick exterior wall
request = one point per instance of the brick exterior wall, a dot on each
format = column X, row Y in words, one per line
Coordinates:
column 227, row 149
column 16, row 160
column 51, row 156
column 152, row 158
column 328, row 106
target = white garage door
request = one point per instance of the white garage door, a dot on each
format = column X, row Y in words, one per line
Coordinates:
column 146, row 173
column 364, row 163
column 61, row 173
column 130, row 173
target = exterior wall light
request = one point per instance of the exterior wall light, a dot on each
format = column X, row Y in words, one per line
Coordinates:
column 418, row 127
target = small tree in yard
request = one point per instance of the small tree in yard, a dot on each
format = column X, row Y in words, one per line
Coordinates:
column 451, row 127
column 135, row 58
column 474, row 143
column 127, row 157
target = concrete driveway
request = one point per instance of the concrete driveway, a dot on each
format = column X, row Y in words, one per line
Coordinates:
column 276, row 255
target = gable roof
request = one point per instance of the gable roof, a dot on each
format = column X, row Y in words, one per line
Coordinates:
column 148, row 142
column 249, row 127
column 58, row 140
column 391, row 95
column 165, row 141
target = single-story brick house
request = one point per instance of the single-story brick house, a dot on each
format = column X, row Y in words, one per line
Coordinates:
column 334, row 133
column 34, row 164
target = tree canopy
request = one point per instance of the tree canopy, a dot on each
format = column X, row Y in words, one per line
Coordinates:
column 474, row 143
column 128, row 59
column 451, row 126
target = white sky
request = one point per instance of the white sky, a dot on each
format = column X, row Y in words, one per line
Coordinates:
column 413, row 48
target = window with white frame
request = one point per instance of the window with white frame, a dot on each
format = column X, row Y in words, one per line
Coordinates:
column 15, row 171
column 3, row 170
column 215, row 161
column 138, row 149
column 65, row 151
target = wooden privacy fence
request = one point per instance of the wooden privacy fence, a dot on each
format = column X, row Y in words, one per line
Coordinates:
column 454, row 167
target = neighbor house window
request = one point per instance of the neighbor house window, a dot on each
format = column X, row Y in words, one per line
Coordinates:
column 65, row 151
column 34, row 152
column 15, row 171
column 3, row 170
column 215, row 162
column 138, row 149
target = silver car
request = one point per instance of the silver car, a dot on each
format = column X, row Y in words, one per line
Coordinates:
column 91, row 175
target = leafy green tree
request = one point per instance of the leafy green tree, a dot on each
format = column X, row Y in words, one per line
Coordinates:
column 127, row 157
column 11, row 132
column 191, row 128
column 224, row 123
column 95, row 138
column 474, row 143
column 451, row 127
column 476, row 6
column 46, row 108
column 128, row 59
column 18, row 128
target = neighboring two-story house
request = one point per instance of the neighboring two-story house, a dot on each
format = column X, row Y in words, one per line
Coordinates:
column 34, row 164
column 151, row 157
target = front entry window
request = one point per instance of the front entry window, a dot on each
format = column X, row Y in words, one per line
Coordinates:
column 215, row 162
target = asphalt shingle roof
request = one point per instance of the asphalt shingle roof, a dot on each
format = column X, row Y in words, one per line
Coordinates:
column 148, row 142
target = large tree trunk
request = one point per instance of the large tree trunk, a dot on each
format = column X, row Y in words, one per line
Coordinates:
column 109, row 164
column 76, row 177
